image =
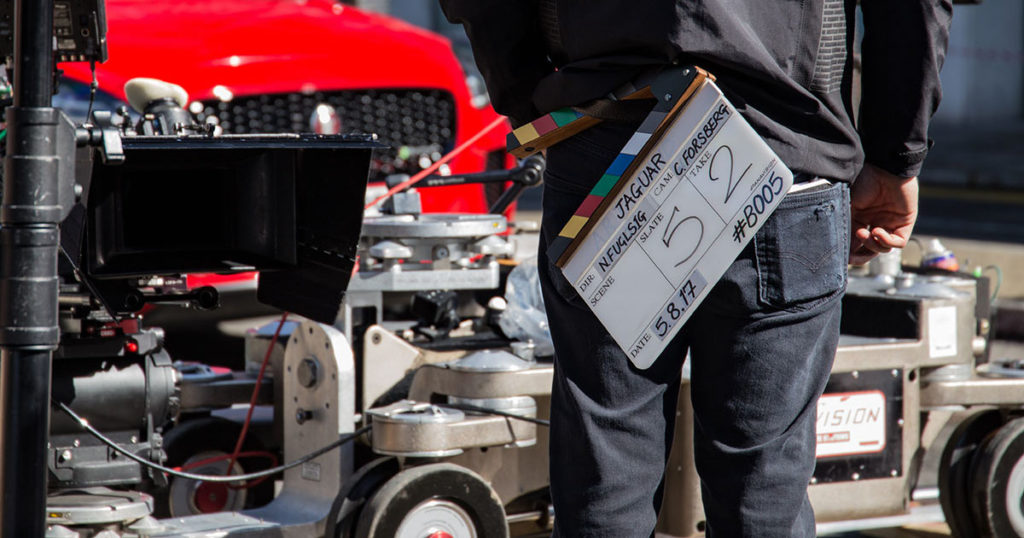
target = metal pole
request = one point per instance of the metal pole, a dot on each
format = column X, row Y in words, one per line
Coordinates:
column 29, row 217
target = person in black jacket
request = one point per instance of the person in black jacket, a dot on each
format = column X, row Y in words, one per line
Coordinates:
column 761, row 345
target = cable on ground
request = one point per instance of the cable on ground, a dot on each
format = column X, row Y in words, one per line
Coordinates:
column 208, row 478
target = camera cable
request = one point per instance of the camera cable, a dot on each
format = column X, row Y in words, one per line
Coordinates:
column 209, row 478
column 489, row 411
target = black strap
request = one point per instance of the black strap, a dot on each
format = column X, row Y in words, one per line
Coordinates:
column 626, row 111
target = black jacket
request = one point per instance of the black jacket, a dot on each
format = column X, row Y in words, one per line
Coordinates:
column 785, row 64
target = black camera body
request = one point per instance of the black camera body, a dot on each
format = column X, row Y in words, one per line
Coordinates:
column 154, row 207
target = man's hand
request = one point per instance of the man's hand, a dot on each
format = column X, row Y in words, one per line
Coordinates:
column 884, row 209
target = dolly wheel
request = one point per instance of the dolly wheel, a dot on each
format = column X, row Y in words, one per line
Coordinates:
column 439, row 500
column 997, row 483
column 954, row 466
column 200, row 439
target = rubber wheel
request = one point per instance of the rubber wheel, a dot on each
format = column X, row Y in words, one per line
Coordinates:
column 955, row 465
column 350, row 501
column 439, row 500
column 997, row 483
column 202, row 438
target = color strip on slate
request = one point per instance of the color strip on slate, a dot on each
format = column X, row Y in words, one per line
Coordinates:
column 626, row 157
column 604, row 185
column 652, row 122
column 557, row 247
column 526, row 133
column 573, row 227
column 544, row 125
column 636, row 143
column 511, row 142
column 565, row 116
column 588, row 206
column 620, row 164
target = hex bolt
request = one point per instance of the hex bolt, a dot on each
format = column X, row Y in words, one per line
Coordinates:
column 308, row 372
column 65, row 456
column 302, row 415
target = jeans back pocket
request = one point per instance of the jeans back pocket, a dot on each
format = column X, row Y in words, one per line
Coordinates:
column 802, row 250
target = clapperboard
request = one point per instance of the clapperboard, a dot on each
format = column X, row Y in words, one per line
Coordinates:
column 686, row 194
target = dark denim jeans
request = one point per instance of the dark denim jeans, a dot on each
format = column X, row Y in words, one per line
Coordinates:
column 761, row 346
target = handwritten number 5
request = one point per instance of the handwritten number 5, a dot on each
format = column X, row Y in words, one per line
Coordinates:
column 670, row 232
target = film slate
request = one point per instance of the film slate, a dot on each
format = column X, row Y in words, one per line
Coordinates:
column 684, row 197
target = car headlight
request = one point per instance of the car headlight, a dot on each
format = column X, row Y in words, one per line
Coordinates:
column 477, row 91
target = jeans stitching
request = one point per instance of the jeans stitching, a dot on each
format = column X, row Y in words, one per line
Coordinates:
column 764, row 269
column 806, row 261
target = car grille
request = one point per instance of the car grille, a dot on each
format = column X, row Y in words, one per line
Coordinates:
column 419, row 125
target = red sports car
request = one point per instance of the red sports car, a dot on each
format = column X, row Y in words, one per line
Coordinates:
column 253, row 66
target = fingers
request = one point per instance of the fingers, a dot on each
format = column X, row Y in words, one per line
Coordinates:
column 863, row 248
column 860, row 257
column 867, row 242
column 884, row 238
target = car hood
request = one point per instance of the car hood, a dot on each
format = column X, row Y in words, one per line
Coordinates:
column 268, row 46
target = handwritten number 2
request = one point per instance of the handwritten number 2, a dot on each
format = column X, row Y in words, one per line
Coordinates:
column 731, row 187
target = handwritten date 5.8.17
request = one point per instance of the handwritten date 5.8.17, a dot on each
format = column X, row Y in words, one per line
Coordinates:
column 682, row 300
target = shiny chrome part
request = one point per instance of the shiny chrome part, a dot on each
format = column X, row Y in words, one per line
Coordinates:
column 96, row 506
column 523, row 406
column 413, row 252
column 434, row 225
column 388, row 250
column 976, row 391
column 408, row 428
column 325, row 120
column 435, row 516
column 491, row 360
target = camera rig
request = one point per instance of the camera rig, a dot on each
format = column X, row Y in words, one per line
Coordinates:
column 99, row 219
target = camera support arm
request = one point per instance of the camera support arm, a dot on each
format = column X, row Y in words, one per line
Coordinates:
column 529, row 173
column 29, row 238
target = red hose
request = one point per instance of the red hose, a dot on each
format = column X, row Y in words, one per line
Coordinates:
column 252, row 402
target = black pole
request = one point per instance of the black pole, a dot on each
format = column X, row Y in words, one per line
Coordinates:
column 29, row 217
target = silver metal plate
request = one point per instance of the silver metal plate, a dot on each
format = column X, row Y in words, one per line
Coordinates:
column 434, row 225
column 90, row 506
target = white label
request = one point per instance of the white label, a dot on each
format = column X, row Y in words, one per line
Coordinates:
column 311, row 471
column 851, row 423
column 942, row 331
column 693, row 203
